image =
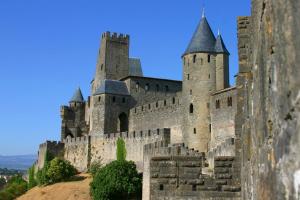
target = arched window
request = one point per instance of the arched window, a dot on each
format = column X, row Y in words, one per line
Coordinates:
column 167, row 88
column 99, row 99
column 157, row 88
column 208, row 58
column 147, row 87
column 191, row 108
column 123, row 122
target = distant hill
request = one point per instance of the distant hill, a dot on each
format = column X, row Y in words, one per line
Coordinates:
column 20, row 162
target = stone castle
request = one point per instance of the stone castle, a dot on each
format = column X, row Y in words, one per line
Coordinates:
column 192, row 139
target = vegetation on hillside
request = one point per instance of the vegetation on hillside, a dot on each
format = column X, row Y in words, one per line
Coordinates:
column 118, row 179
column 15, row 187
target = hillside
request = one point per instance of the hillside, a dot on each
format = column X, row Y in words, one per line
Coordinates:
column 78, row 189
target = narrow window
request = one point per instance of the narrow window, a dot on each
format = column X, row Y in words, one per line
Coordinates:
column 149, row 133
column 157, row 88
column 75, row 104
column 229, row 101
column 134, row 134
column 209, row 127
column 195, row 131
column 207, row 105
column 191, row 108
column 101, row 67
column 194, row 188
column 149, row 106
column 137, row 86
column 141, row 133
column 123, row 100
column 161, row 187
column 208, row 58
column 167, row 88
column 99, row 99
column 165, row 102
column 217, row 104
column 208, row 76
column 173, row 100
column 191, row 92
column 188, row 76
column 142, row 108
column 156, row 104
column 157, row 131
column 147, row 87
column 134, row 110
column 194, row 58
column 114, row 99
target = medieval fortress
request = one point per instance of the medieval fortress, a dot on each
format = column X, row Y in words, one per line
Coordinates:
column 190, row 138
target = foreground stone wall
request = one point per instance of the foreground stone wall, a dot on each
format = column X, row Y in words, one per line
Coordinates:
column 175, row 172
column 269, row 76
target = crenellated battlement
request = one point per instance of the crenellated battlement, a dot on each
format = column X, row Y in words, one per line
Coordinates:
column 118, row 37
column 169, row 103
column 77, row 140
column 50, row 143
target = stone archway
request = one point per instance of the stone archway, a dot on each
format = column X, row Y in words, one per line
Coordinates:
column 123, row 123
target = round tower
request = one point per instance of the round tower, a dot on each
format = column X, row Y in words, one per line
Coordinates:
column 199, row 81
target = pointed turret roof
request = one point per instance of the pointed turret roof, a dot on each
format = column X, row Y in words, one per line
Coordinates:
column 220, row 46
column 203, row 39
column 77, row 97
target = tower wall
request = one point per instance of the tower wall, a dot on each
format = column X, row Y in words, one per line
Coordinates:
column 113, row 58
column 222, row 71
column 199, row 81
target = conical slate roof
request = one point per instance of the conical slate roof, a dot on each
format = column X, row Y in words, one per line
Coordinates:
column 203, row 39
column 77, row 97
column 220, row 46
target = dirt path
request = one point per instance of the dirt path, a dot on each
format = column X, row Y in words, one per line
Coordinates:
column 61, row 191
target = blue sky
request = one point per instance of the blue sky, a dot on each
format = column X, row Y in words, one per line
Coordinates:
column 49, row 47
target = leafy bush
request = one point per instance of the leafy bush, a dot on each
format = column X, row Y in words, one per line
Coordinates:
column 94, row 167
column 117, row 180
column 60, row 170
column 121, row 150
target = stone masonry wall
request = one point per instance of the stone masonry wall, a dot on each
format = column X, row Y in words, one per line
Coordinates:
column 270, row 151
column 175, row 172
column 161, row 114
column 81, row 152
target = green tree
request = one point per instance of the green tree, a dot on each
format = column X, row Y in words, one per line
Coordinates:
column 95, row 166
column 31, row 178
column 121, row 150
column 15, row 187
column 117, row 180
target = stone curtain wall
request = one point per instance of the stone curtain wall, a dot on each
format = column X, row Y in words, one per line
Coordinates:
column 269, row 77
column 161, row 114
column 82, row 152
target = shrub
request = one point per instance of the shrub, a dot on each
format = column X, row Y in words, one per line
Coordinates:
column 117, row 180
column 94, row 167
column 59, row 170
column 121, row 150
